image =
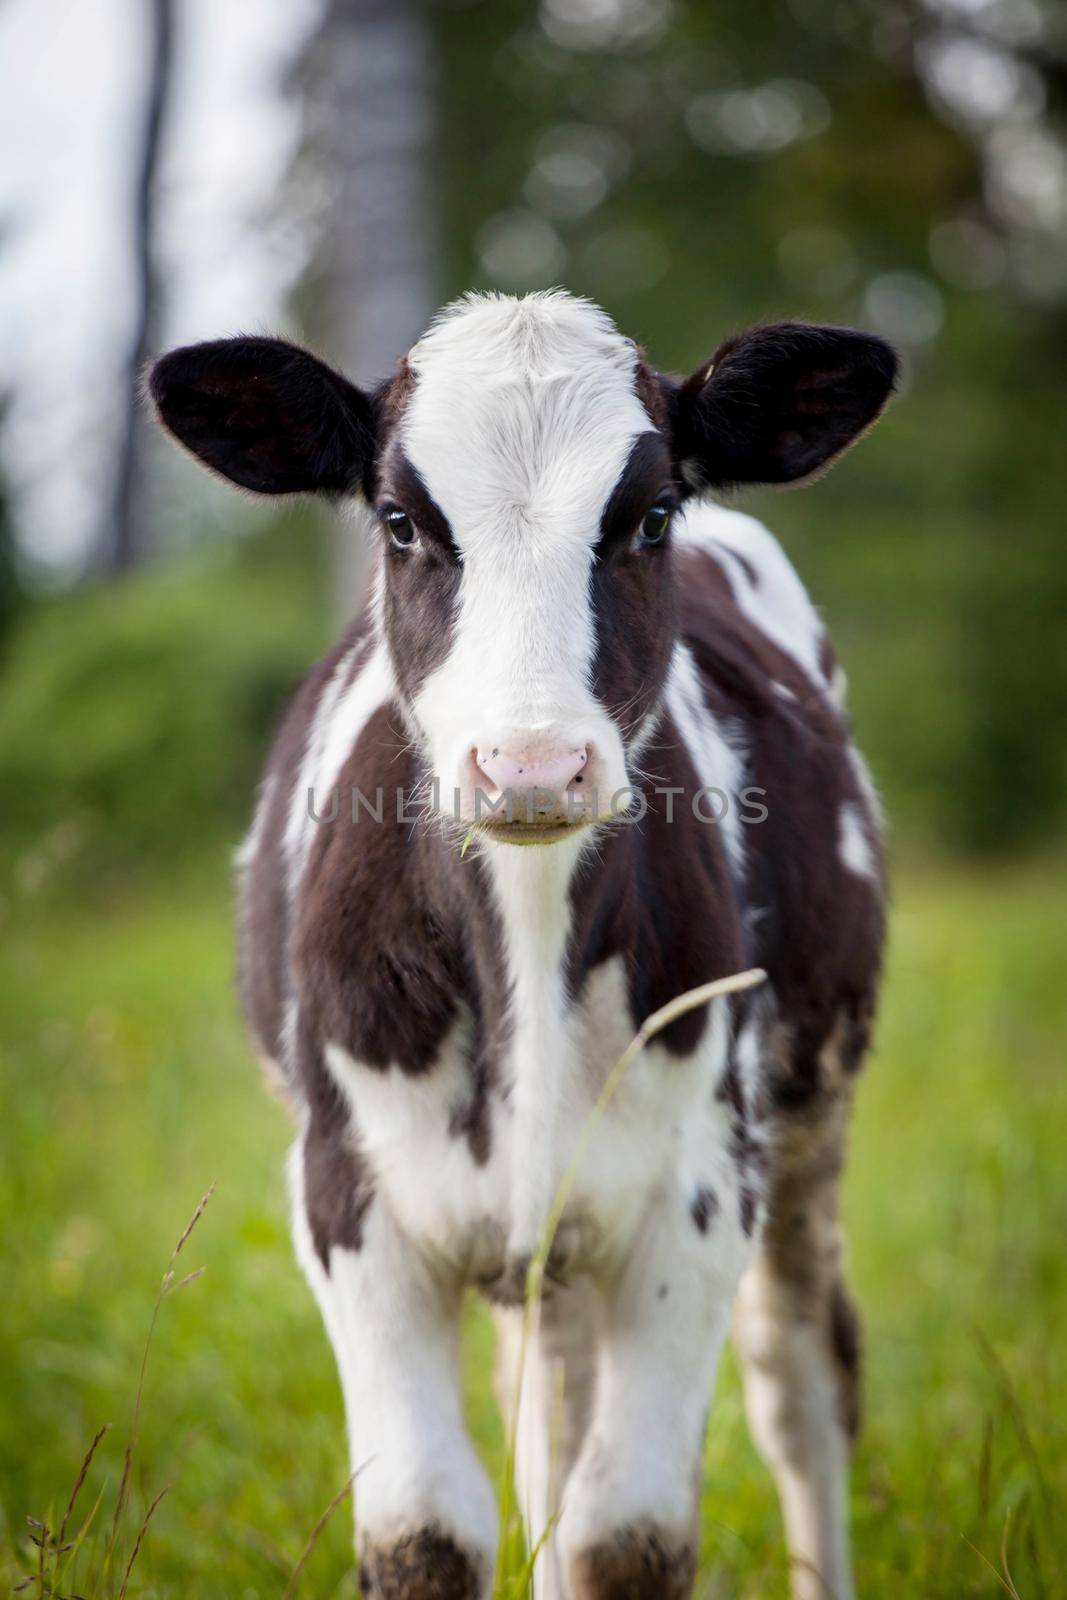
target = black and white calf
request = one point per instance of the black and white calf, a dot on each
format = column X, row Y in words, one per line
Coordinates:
column 558, row 611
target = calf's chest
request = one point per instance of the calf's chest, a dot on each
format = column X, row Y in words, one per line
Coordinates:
column 470, row 1152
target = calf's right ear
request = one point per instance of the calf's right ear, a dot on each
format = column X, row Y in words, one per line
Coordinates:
column 265, row 414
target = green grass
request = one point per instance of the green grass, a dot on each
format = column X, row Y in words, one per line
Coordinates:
column 128, row 1088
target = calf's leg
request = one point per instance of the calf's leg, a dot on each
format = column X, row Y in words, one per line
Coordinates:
column 425, row 1512
column 797, row 1335
column 628, row 1529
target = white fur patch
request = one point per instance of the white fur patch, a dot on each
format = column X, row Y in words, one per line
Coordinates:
column 343, row 711
column 422, row 1171
column 520, row 423
column 777, row 602
column 393, row 1327
column 719, row 764
column 246, row 851
column 532, row 898
column 853, row 846
column 865, row 783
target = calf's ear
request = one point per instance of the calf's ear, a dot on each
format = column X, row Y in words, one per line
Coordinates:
column 266, row 415
column 779, row 403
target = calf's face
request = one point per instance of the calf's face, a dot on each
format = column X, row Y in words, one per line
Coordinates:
column 524, row 466
column 525, row 495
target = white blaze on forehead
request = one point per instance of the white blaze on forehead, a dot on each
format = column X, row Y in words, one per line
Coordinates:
column 521, row 419
column 520, row 422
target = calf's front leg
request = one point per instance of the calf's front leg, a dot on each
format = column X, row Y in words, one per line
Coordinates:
column 425, row 1513
column 629, row 1524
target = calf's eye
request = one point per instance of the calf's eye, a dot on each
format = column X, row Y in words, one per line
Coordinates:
column 400, row 528
column 654, row 527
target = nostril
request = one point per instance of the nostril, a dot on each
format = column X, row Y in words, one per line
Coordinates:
column 525, row 768
column 486, row 761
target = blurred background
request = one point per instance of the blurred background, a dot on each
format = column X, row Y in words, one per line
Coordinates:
column 173, row 170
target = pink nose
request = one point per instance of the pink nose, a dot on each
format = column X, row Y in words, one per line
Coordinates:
column 518, row 770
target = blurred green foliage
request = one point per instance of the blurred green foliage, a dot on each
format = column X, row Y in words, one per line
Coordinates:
column 135, row 716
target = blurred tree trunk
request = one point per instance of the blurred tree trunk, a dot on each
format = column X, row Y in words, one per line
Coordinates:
column 372, row 287
column 122, row 540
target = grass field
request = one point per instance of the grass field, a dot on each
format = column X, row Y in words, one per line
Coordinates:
column 128, row 1088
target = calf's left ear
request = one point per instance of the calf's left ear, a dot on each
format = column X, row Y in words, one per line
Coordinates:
column 779, row 403
column 265, row 414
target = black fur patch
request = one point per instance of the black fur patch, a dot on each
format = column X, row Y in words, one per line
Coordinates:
column 846, row 1339
column 704, row 1209
column 421, row 583
column 778, row 403
column 637, row 1564
column 632, row 590
column 266, row 414
column 645, row 895
column 337, row 1187
column 379, row 954
column 427, row 1565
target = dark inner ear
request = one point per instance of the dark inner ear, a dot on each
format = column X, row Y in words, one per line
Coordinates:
column 778, row 403
column 266, row 415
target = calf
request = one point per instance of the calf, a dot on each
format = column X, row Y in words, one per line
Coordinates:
column 566, row 645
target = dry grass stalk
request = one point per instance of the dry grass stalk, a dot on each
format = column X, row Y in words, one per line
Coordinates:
column 165, row 1288
column 339, row 1498
column 137, row 1543
column 52, row 1547
column 83, row 1472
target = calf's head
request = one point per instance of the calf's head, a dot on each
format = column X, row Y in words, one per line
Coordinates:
column 524, row 465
